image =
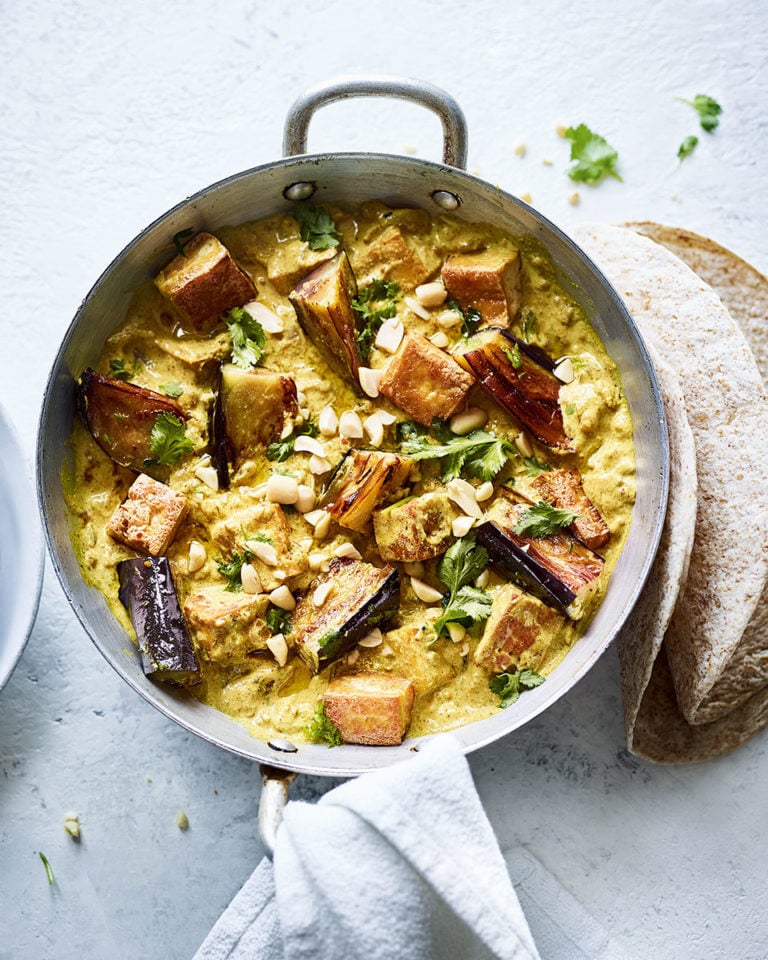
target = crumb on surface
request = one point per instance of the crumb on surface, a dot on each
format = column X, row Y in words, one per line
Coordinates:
column 521, row 150
column 574, row 198
column 182, row 820
column 72, row 824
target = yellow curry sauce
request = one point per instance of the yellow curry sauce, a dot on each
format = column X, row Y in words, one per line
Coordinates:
column 451, row 690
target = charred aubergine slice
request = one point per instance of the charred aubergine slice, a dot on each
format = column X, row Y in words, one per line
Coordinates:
column 323, row 305
column 148, row 594
column 519, row 377
column 121, row 416
column 356, row 598
column 362, row 480
column 558, row 569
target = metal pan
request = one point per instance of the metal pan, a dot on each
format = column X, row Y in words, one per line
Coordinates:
column 352, row 177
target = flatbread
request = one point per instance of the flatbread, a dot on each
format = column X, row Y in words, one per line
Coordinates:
column 640, row 639
column 684, row 319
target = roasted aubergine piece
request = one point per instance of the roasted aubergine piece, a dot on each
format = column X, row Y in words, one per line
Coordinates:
column 148, row 594
column 362, row 480
column 519, row 377
column 558, row 568
column 356, row 597
column 323, row 305
column 121, row 416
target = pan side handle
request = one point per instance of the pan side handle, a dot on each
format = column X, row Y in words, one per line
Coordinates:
column 274, row 796
column 379, row 85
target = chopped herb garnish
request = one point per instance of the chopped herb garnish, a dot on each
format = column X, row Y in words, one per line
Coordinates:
column 509, row 686
column 384, row 292
column 687, row 147
column 529, row 321
column 470, row 318
column 328, row 639
column 180, row 239
column 479, row 454
column 232, row 571
column 120, row 371
column 172, row 389
column 318, row 230
column 168, row 441
column 534, row 467
column 594, row 157
column 248, row 338
column 709, row 111
column 119, row 415
column 464, row 604
column 543, row 519
column 321, row 730
column 48, row 870
column 570, row 409
column 513, row 355
column 279, row 620
column 280, row 450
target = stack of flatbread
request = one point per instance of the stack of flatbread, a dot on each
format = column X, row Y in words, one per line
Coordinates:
column 694, row 652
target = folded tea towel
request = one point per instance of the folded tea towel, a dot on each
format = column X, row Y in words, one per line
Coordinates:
column 401, row 862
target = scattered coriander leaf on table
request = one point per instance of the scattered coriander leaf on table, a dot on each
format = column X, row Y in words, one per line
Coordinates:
column 168, row 441
column 543, row 519
column 687, row 147
column 317, row 227
column 248, row 338
column 48, row 869
column 508, row 686
column 595, row 157
column 708, row 109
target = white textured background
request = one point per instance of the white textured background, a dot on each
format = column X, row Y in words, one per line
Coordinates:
column 111, row 114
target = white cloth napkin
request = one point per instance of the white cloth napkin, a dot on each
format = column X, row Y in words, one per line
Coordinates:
column 401, row 862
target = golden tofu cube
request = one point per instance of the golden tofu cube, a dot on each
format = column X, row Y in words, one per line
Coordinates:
column 227, row 627
column 424, row 381
column 205, row 282
column 372, row 708
column 489, row 281
column 150, row 517
column 390, row 256
column 563, row 489
column 415, row 529
column 517, row 623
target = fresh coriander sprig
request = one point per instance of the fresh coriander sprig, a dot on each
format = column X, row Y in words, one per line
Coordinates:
column 383, row 292
column 48, row 868
column 594, row 157
column 279, row 620
column 321, row 730
column 543, row 519
column 119, row 371
column 534, row 467
column 317, row 228
column 248, row 338
column 168, row 441
column 280, row 450
column 687, row 147
column 462, row 564
column 479, row 454
column 708, row 109
column 232, row 571
column 509, row 686
column 470, row 318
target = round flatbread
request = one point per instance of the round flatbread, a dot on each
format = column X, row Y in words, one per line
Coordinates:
column 688, row 325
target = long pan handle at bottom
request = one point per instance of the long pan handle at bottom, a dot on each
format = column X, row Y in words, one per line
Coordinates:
column 274, row 796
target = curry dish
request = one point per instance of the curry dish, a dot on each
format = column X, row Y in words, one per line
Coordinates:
column 348, row 474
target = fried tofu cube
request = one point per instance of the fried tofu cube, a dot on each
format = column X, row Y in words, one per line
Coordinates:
column 424, row 381
column 489, row 281
column 150, row 517
column 205, row 282
column 390, row 256
column 371, row 708
column 227, row 627
column 517, row 623
column 564, row 490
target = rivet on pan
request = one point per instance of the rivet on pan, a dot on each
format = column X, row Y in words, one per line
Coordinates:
column 302, row 190
column 446, row 200
column 282, row 746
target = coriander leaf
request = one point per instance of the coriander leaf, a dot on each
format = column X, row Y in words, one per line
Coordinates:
column 318, row 229
column 483, row 453
column 542, row 520
column 462, row 564
column 470, row 318
column 232, row 571
column 595, row 157
column 508, row 686
column 570, row 409
column 180, row 238
column 48, row 870
column 321, row 730
column 529, row 321
column 248, row 337
column 534, row 467
column 172, row 389
column 708, row 109
column 280, row 450
column 168, row 441
column 118, row 369
column 384, row 292
column 687, row 147
column 513, row 355
column 278, row 620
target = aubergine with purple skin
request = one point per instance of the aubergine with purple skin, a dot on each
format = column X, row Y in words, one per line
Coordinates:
column 558, row 569
column 360, row 598
column 121, row 415
column 149, row 595
column 520, row 378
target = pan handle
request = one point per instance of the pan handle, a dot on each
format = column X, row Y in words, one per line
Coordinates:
column 379, row 85
column 274, row 796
